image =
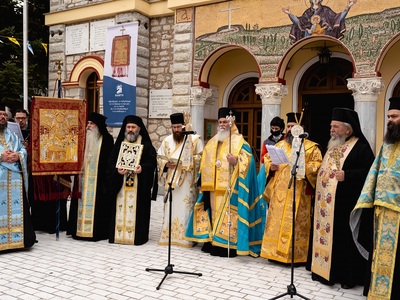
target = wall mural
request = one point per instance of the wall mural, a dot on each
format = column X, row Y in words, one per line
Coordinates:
column 318, row 19
column 223, row 24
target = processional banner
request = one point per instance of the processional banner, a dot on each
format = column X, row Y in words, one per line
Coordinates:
column 57, row 135
column 119, row 81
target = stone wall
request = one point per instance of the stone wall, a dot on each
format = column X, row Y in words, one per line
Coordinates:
column 154, row 63
column 161, row 70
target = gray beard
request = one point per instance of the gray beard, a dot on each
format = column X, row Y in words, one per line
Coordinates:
column 336, row 142
column 222, row 135
column 132, row 137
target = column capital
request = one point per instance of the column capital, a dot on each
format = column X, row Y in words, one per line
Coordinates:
column 199, row 95
column 365, row 89
column 271, row 93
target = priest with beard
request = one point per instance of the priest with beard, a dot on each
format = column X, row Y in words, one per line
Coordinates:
column 16, row 230
column 184, row 190
column 131, row 190
column 380, row 196
column 229, row 204
column 334, row 256
column 89, row 215
column 277, row 240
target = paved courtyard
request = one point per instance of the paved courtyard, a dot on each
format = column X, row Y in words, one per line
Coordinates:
column 71, row 269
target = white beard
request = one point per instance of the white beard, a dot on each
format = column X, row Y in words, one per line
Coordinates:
column 92, row 135
column 222, row 134
column 336, row 141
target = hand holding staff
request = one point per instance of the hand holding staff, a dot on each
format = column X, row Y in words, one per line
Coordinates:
column 231, row 158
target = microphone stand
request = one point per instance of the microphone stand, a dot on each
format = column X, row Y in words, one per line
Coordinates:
column 169, row 269
column 291, row 289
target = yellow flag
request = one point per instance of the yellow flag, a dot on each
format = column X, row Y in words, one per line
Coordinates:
column 45, row 47
column 14, row 40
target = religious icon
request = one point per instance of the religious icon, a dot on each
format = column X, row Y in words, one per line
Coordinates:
column 58, row 135
column 120, row 55
column 129, row 156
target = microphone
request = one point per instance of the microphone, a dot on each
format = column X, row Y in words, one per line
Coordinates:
column 188, row 132
column 304, row 135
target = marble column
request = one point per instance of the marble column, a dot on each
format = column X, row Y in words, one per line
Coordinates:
column 365, row 93
column 198, row 97
column 271, row 97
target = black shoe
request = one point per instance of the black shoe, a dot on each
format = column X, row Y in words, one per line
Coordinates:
column 347, row 286
column 222, row 252
column 206, row 247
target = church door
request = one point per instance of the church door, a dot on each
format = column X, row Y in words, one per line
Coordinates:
column 321, row 89
column 247, row 104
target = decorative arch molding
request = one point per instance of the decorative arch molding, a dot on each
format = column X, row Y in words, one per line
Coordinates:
column 389, row 92
column 233, row 83
column 82, row 69
column 209, row 62
column 385, row 50
column 389, row 46
column 311, row 42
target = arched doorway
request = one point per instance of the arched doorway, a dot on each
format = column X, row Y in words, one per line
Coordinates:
column 322, row 88
column 247, row 104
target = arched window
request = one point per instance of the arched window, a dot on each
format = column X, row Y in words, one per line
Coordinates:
column 92, row 93
column 247, row 104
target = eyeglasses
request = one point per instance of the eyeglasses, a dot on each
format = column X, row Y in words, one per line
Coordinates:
column 20, row 118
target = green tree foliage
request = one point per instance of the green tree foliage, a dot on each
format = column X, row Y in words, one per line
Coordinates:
column 11, row 55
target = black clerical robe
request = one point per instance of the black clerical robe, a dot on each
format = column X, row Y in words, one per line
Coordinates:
column 143, row 195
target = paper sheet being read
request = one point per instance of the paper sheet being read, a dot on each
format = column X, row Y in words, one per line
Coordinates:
column 277, row 155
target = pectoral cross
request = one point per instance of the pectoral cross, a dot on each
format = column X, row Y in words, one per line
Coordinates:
column 336, row 155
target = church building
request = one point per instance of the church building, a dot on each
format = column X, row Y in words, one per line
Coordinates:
column 263, row 58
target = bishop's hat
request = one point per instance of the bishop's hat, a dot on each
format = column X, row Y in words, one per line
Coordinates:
column 223, row 112
column 293, row 117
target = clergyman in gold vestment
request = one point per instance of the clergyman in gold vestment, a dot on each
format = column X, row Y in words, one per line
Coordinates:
column 277, row 237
